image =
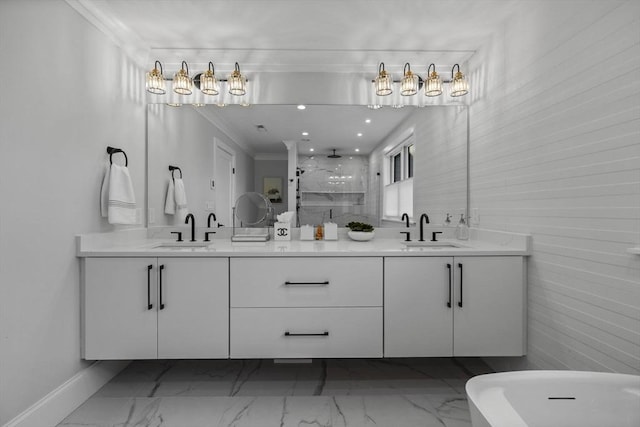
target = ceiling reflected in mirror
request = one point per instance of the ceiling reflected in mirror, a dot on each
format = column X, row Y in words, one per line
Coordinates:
column 318, row 129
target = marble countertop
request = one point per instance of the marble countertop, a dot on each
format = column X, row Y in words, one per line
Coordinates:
column 139, row 245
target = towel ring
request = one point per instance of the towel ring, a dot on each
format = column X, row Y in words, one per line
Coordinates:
column 111, row 151
column 174, row 168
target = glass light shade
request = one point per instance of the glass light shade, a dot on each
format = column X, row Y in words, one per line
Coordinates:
column 459, row 85
column 409, row 84
column 209, row 84
column 182, row 83
column 384, row 83
column 237, row 82
column 155, row 82
column 433, row 85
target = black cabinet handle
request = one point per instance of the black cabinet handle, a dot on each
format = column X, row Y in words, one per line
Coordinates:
column 149, row 305
column 160, row 288
column 460, row 302
column 321, row 334
column 450, row 286
column 288, row 283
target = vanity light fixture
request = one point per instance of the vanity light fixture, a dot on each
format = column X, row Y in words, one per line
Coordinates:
column 433, row 84
column 182, row 83
column 359, row 134
column 301, row 107
column 367, row 121
column 208, row 82
column 305, row 133
column 237, row 82
column 409, row 82
column 383, row 82
column 459, row 85
column 357, row 150
column 155, row 80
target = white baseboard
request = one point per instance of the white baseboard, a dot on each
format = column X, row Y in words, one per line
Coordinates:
column 57, row 405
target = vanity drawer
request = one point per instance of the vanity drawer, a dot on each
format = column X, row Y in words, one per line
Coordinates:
column 306, row 282
column 287, row 332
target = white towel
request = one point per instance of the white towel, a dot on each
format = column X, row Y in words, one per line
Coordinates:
column 122, row 201
column 181, row 198
column 104, row 192
column 170, row 201
column 176, row 200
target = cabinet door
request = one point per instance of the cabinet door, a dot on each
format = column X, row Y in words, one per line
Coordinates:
column 489, row 306
column 418, row 319
column 193, row 310
column 118, row 322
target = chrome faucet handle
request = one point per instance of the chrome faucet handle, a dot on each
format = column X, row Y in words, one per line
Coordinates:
column 179, row 233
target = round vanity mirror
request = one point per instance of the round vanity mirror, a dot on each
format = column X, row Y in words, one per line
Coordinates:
column 252, row 209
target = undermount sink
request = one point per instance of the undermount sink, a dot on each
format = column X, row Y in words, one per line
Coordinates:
column 182, row 245
column 431, row 244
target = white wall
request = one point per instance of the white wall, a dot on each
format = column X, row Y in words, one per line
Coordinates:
column 555, row 152
column 182, row 137
column 66, row 93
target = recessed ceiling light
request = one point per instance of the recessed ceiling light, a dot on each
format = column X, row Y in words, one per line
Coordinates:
column 367, row 121
column 359, row 133
column 305, row 133
column 310, row 149
column 357, row 150
column 301, row 107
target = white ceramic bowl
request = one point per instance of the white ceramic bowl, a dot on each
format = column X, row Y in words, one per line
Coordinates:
column 360, row 236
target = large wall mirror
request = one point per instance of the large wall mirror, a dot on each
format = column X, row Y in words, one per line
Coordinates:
column 354, row 163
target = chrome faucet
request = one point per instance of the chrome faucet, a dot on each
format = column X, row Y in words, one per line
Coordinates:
column 207, row 233
column 193, row 226
column 424, row 217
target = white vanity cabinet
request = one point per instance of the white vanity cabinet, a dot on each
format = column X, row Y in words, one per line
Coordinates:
column 147, row 308
column 454, row 306
column 302, row 307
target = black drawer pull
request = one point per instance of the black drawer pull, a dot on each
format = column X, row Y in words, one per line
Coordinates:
column 160, row 288
column 460, row 302
column 149, row 305
column 321, row 334
column 288, row 283
column 450, row 286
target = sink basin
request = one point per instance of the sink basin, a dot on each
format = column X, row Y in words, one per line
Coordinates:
column 430, row 244
column 182, row 245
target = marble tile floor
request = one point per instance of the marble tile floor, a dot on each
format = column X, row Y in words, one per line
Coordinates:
column 260, row 393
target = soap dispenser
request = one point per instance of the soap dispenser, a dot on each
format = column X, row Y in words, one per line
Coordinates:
column 447, row 221
column 462, row 231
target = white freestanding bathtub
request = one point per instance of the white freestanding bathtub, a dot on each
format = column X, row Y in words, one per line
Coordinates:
column 554, row 399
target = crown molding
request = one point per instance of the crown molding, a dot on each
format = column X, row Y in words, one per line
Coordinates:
column 224, row 127
column 128, row 41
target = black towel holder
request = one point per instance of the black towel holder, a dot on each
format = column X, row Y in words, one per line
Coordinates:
column 111, row 151
column 174, row 168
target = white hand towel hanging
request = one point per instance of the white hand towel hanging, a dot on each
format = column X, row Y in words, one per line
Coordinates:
column 104, row 192
column 170, row 201
column 122, row 201
column 181, row 198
